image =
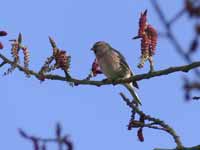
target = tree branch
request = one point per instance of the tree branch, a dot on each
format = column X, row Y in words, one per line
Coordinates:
column 156, row 121
column 185, row 148
column 184, row 68
column 170, row 35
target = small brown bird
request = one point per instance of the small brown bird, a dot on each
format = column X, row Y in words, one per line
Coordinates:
column 114, row 65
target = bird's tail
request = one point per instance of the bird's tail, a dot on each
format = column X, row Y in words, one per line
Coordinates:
column 133, row 93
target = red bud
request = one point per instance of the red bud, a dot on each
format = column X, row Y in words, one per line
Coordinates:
column 140, row 135
column 96, row 68
column 1, row 45
column 3, row 33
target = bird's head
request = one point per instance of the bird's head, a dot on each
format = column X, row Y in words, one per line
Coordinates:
column 100, row 47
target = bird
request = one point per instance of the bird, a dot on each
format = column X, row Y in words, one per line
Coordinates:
column 114, row 66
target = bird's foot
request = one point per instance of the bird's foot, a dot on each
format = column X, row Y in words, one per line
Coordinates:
column 105, row 80
column 151, row 70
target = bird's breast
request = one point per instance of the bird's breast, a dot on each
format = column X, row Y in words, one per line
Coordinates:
column 110, row 66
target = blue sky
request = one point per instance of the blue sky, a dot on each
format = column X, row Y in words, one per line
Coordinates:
column 95, row 118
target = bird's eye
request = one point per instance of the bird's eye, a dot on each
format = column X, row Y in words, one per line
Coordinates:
column 95, row 51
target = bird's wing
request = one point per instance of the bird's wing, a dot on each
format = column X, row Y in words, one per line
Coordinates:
column 125, row 64
column 122, row 59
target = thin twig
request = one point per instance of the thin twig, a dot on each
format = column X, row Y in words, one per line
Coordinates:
column 61, row 141
column 177, row 16
column 196, row 98
column 2, row 64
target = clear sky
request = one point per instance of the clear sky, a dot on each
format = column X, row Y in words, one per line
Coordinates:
column 95, row 118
